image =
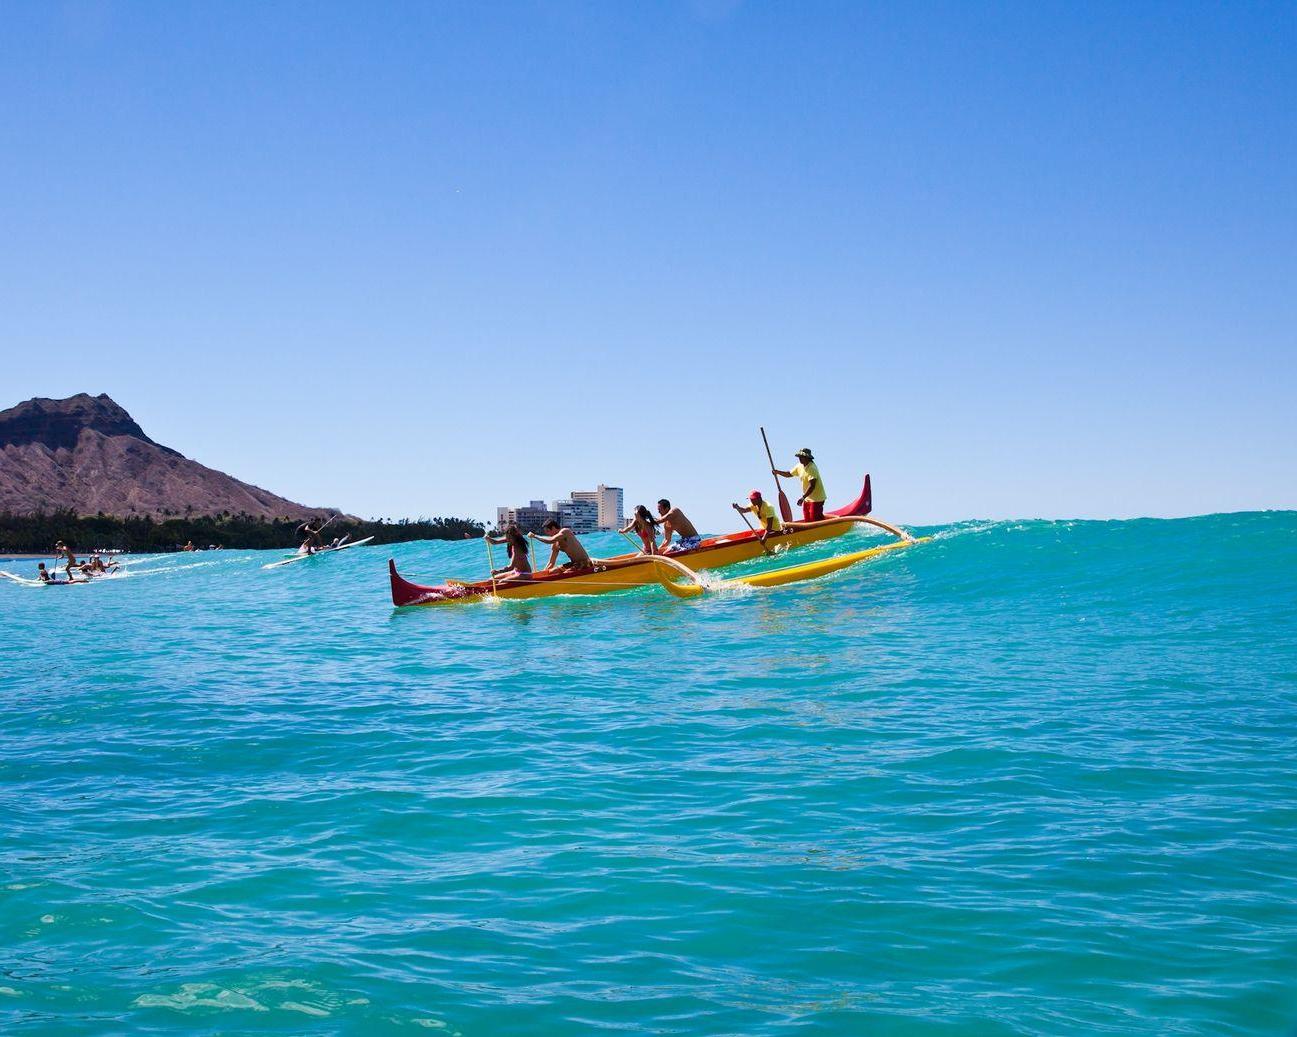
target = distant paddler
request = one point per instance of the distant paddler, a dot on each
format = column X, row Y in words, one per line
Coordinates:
column 764, row 512
column 97, row 565
column 312, row 542
column 519, row 567
column 674, row 523
column 45, row 576
column 813, row 494
column 560, row 538
column 64, row 554
column 643, row 524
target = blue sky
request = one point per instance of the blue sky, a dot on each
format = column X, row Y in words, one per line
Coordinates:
column 1014, row 259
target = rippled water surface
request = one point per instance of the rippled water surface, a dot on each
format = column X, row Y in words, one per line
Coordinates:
column 1028, row 778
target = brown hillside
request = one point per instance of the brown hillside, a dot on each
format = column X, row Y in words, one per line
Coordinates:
column 86, row 453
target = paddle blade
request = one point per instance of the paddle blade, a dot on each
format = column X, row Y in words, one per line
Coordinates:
column 785, row 509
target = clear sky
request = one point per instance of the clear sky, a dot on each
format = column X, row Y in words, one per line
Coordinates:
column 1015, row 259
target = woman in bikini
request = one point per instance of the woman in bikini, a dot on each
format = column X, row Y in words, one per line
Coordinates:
column 642, row 523
column 519, row 567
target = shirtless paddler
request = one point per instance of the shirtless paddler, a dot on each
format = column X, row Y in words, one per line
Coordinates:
column 560, row 538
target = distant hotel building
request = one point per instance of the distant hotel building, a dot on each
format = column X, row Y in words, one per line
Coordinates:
column 580, row 516
column 530, row 517
column 586, row 511
column 609, row 502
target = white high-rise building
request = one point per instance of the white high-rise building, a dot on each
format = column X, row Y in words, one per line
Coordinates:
column 609, row 502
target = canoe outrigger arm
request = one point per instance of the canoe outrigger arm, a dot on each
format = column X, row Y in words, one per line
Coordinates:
column 867, row 520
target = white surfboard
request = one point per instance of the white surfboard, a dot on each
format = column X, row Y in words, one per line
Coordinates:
column 26, row 582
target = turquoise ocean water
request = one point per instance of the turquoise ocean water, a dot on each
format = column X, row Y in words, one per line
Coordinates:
column 1030, row 778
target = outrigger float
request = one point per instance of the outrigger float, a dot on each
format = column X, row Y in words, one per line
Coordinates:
column 624, row 571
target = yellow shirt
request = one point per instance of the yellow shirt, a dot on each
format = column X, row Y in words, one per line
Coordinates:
column 806, row 472
column 765, row 511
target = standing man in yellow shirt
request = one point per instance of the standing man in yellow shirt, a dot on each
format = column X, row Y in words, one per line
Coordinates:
column 765, row 514
column 813, row 495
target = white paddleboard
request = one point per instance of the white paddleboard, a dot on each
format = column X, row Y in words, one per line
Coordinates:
column 302, row 556
column 39, row 583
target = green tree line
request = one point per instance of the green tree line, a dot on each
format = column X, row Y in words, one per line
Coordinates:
column 36, row 533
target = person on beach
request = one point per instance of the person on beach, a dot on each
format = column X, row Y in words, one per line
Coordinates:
column 643, row 524
column 674, row 523
column 519, row 567
column 764, row 512
column 813, row 495
column 560, row 538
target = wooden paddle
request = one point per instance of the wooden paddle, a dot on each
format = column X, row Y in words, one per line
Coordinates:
column 490, row 562
column 785, row 509
column 764, row 546
column 638, row 547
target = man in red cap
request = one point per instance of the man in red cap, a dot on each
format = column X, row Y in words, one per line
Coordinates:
column 764, row 512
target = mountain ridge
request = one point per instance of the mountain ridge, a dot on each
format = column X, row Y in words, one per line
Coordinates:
column 86, row 453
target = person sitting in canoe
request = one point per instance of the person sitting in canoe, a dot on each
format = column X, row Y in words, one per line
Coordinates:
column 644, row 524
column 813, row 495
column 519, row 567
column 560, row 538
column 764, row 512
column 673, row 523
column 312, row 543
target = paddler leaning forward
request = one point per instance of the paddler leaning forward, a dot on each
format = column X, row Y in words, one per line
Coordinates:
column 560, row 538
column 764, row 512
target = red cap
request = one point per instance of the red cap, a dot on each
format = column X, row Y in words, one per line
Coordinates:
column 754, row 495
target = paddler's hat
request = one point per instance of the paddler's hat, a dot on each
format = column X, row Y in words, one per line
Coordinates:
column 754, row 495
column 804, row 452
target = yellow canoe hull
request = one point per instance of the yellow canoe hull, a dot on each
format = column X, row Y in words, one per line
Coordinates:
column 633, row 570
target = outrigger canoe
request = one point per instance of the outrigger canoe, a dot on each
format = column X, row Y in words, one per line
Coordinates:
column 636, row 570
